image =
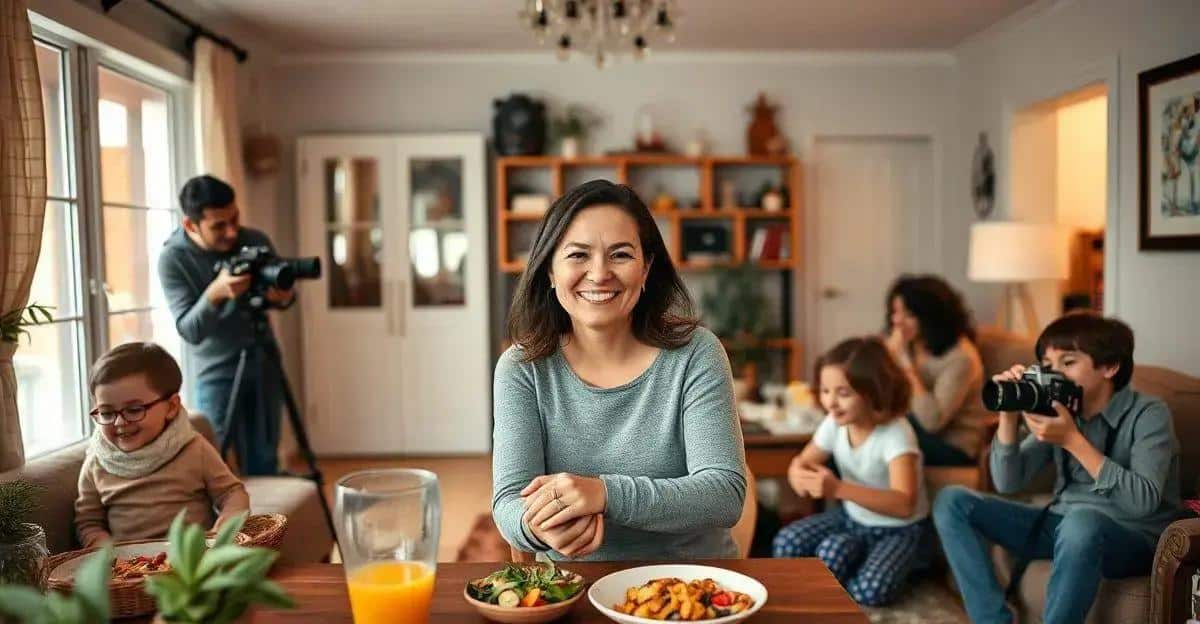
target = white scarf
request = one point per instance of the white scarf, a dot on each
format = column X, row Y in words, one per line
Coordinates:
column 141, row 462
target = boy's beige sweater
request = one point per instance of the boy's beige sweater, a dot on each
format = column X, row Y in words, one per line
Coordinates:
column 196, row 480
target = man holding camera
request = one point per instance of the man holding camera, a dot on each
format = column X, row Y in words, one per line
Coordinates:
column 1117, row 463
column 209, row 315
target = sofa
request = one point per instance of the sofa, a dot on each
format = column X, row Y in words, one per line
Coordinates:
column 307, row 538
column 1164, row 596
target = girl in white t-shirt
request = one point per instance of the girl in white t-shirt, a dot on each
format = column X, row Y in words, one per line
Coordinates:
column 870, row 541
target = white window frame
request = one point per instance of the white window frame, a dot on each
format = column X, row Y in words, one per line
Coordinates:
column 83, row 56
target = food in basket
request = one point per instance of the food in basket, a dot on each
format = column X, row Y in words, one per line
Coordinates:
column 139, row 566
column 674, row 599
column 526, row 585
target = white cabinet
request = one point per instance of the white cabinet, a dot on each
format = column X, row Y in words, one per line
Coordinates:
column 395, row 332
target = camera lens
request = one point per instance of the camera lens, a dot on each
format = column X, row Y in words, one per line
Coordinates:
column 306, row 268
column 277, row 274
column 1010, row 396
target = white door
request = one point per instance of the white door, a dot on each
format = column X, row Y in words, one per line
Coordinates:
column 870, row 201
column 352, row 378
column 441, row 290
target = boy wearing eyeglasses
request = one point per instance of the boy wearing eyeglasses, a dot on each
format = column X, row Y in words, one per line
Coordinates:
column 145, row 462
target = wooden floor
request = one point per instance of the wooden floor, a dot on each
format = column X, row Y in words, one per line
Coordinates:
column 466, row 487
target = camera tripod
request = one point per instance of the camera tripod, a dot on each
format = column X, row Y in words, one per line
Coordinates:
column 268, row 356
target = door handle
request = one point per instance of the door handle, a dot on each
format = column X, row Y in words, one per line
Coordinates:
column 387, row 286
column 401, row 313
column 830, row 292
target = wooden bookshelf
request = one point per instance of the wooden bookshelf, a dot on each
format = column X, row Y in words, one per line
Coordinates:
column 741, row 220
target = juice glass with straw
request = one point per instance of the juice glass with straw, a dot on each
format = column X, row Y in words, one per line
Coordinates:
column 388, row 523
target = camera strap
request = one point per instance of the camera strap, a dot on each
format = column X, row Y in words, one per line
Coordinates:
column 1021, row 562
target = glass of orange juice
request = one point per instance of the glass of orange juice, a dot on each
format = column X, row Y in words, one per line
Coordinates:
column 388, row 523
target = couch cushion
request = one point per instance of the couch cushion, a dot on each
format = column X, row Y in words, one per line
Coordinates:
column 999, row 349
column 1182, row 395
column 58, row 473
column 307, row 538
column 1118, row 601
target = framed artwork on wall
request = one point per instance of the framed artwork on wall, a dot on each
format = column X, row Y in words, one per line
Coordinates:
column 1168, row 159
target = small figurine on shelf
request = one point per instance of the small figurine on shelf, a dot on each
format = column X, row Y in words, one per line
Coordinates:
column 648, row 139
column 763, row 137
column 664, row 201
column 697, row 146
column 729, row 199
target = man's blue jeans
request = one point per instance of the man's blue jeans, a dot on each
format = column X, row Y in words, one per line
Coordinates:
column 255, row 423
column 1085, row 545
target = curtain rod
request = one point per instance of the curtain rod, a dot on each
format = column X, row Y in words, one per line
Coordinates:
column 197, row 30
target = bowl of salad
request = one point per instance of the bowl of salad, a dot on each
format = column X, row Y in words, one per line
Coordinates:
column 525, row 593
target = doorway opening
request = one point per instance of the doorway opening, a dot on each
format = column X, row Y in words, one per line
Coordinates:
column 1059, row 175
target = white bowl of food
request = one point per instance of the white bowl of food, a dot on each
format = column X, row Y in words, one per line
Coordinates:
column 694, row 592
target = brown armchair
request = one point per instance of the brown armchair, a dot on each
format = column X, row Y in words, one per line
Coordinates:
column 1177, row 559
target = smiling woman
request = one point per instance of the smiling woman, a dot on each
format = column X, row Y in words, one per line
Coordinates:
column 615, row 434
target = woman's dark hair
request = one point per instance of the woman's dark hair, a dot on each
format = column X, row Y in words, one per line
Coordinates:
column 939, row 309
column 1108, row 341
column 872, row 372
column 664, row 315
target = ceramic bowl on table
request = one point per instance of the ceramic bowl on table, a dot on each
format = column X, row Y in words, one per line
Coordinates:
column 609, row 591
column 527, row 615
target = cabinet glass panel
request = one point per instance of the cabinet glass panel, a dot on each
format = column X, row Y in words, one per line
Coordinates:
column 354, row 237
column 437, row 237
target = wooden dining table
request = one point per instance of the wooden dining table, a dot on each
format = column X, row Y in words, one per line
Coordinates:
column 798, row 590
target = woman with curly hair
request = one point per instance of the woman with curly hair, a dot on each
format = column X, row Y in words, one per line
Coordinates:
column 929, row 332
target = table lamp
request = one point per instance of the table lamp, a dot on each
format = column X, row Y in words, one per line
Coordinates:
column 1014, row 254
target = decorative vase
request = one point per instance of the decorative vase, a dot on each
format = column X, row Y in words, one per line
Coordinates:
column 23, row 562
column 570, row 147
column 519, row 126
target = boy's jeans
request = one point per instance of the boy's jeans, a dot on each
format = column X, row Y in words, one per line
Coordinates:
column 1085, row 546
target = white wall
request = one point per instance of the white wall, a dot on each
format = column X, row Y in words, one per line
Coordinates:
column 819, row 94
column 1055, row 48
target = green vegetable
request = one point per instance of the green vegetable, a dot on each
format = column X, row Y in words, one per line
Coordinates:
column 506, row 587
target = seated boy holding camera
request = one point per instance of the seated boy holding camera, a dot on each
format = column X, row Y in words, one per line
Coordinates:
column 145, row 462
column 1116, row 489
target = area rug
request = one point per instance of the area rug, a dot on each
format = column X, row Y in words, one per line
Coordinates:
column 927, row 602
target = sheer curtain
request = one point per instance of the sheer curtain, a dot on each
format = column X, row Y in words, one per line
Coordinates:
column 218, row 135
column 22, row 198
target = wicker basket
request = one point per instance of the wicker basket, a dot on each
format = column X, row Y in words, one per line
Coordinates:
column 265, row 530
column 127, row 596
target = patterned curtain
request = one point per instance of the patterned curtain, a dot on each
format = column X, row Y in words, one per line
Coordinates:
column 22, row 198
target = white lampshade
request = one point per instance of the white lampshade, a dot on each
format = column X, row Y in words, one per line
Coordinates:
column 1010, row 251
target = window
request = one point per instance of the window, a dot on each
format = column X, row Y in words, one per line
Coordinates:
column 49, row 366
column 106, row 219
column 138, row 213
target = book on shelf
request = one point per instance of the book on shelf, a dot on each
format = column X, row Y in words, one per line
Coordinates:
column 771, row 242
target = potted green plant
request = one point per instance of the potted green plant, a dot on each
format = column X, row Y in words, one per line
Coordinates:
column 735, row 310
column 13, row 323
column 213, row 585
column 87, row 604
column 571, row 129
column 22, row 544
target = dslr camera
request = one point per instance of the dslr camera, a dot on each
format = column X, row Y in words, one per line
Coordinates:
column 1033, row 393
column 268, row 271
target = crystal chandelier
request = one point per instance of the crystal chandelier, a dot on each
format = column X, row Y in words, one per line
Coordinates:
column 601, row 28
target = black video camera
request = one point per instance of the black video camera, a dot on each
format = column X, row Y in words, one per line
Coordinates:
column 1033, row 393
column 268, row 271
